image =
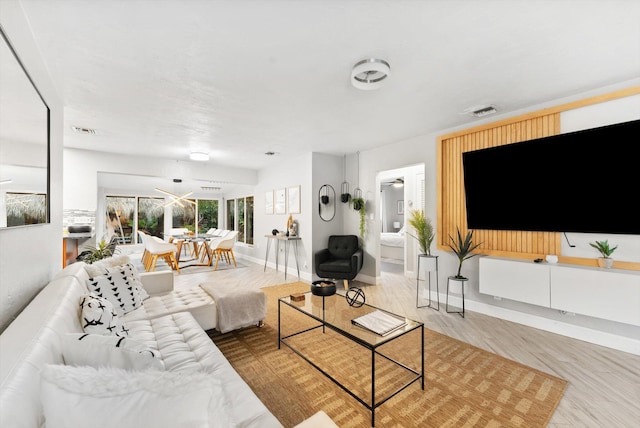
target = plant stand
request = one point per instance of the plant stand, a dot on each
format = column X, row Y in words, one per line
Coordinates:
column 462, row 281
column 431, row 265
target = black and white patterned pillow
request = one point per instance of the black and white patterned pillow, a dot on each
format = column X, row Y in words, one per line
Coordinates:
column 83, row 349
column 98, row 316
column 120, row 287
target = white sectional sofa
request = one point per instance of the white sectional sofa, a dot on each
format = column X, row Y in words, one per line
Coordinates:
column 33, row 345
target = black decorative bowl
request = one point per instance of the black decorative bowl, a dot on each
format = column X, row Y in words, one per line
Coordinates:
column 323, row 288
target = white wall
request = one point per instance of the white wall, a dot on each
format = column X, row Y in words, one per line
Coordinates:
column 31, row 255
column 82, row 167
column 294, row 173
column 423, row 148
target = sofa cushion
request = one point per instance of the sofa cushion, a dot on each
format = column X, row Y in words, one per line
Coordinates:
column 98, row 316
column 342, row 246
column 178, row 339
column 111, row 397
column 100, row 267
column 194, row 300
column 95, row 350
column 120, row 286
column 106, row 266
column 337, row 265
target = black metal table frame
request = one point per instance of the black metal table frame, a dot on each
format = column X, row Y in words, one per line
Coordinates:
column 374, row 405
column 430, row 304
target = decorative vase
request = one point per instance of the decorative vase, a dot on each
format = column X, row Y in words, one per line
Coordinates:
column 605, row 262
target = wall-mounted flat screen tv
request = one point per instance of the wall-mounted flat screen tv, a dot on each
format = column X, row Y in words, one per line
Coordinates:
column 585, row 181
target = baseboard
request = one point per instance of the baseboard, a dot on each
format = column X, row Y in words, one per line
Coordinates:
column 609, row 340
column 291, row 270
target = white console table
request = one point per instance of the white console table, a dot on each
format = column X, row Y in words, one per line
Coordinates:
column 287, row 242
column 611, row 294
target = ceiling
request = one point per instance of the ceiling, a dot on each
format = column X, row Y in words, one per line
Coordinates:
column 239, row 78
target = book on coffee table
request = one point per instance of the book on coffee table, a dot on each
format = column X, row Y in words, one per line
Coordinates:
column 379, row 322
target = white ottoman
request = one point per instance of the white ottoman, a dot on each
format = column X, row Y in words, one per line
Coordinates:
column 236, row 307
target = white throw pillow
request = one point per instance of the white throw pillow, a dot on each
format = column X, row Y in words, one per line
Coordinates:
column 95, row 350
column 100, row 267
column 120, row 287
column 98, row 316
column 105, row 398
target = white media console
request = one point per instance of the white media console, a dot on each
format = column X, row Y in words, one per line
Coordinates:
column 610, row 294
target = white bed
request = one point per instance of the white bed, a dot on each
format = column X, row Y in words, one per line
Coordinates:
column 392, row 245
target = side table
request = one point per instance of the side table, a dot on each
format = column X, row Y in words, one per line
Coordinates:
column 287, row 243
column 462, row 281
column 430, row 265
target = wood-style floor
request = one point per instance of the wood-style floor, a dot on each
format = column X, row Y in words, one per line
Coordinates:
column 604, row 384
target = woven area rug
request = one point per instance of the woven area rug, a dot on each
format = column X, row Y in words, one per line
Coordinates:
column 464, row 386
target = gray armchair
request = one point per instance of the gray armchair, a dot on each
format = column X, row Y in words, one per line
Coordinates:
column 342, row 259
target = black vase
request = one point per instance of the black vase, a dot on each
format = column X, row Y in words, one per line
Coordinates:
column 345, row 197
column 324, row 199
column 357, row 205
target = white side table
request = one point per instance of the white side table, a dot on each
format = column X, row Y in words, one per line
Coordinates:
column 462, row 281
column 430, row 264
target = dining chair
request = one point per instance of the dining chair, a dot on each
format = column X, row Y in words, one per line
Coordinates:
column 175, row 237
column 155, row 248
column 223, row 247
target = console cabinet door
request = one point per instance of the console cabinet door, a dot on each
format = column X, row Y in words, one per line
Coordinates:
column 522, row 281
column 597, row 293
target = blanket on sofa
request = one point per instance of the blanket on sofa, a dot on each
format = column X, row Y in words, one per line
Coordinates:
column 236, row 307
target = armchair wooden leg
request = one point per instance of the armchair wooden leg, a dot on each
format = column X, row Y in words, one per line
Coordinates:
column 346, row 284
column 234, row 258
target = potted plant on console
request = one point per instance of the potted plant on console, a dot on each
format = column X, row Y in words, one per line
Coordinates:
column 605, row 250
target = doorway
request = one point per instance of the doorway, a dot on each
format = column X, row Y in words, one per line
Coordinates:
column 401, row 190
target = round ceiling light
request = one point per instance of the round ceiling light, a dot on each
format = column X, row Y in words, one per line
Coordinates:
column 370, row 73
column 199, row 156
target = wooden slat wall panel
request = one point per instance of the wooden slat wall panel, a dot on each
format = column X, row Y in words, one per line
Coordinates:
column 451, row 211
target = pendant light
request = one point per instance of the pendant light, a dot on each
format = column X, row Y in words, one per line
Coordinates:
column 357, row 193
column 345, row 196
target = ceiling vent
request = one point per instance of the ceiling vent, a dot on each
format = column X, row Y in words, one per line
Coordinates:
column 481, row 111
column 211, row 188
column 84, row 130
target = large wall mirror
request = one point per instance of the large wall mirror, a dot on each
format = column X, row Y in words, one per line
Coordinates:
column 24, row 144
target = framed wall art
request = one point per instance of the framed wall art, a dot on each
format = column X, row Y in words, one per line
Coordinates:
column 268, row 202
column 281, row 201
column 293, row 194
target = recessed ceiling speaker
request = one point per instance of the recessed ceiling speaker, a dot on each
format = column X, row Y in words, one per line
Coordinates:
column 370, row 73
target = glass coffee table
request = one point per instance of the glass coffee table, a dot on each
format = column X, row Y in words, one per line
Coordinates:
column 335, row 313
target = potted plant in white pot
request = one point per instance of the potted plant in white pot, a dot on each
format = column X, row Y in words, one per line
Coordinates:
column 463, row 249
column 423, row 231
column 605, row 250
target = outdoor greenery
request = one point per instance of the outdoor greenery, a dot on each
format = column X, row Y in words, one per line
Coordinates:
column 463, row 248
column 423, row 230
